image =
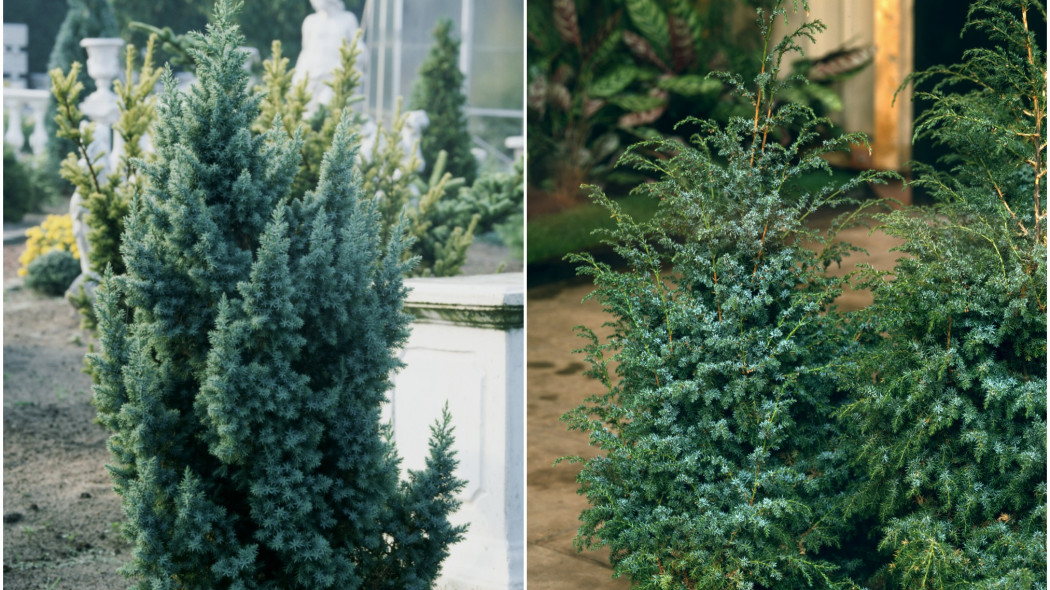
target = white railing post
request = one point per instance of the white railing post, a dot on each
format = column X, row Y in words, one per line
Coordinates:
column 14, row 134
column 16, row 101
column 103, row 65
column 467, row 349
column 38, row 139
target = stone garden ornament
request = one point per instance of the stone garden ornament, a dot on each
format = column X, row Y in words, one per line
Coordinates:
column 103, row 65
column 323, row 33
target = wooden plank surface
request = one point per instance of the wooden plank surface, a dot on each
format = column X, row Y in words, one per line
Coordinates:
column 894, row 35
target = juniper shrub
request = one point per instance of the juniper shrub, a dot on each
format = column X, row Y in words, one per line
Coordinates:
column 717, row 468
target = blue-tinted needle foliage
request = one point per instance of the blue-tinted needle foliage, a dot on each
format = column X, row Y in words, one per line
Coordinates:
column 948, row 395
column 719, row 468
column 752, row 436
column 245, row 354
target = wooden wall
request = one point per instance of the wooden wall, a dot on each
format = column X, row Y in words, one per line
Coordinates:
column 869, row 97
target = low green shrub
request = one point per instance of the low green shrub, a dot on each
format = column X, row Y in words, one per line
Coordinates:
column 493, row 197
column 23, row 192
column 52, row 273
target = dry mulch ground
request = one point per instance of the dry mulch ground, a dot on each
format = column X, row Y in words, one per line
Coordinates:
column 59, row 508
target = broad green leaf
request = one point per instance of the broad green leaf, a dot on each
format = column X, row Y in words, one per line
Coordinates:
column 607, row 49
column 614, row 82
column 691, row 85
column 651, row 22
column 637, row 102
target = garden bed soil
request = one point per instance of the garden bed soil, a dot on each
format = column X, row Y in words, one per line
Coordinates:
column 60, row 511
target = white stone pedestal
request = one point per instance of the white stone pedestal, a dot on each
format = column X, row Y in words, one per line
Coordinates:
column 467, row 348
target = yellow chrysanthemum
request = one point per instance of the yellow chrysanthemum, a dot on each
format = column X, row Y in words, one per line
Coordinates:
column 55, row 233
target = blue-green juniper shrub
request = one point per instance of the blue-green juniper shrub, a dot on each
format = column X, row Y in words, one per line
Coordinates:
column 244, row 357
column 718, row 466
column 948, row 395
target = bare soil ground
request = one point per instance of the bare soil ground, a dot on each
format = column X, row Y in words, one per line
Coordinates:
column 60, row 512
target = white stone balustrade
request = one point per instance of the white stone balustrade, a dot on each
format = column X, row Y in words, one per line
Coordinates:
column 18, row 103
column 517, row 144
column 103, row 65
column 467, row 349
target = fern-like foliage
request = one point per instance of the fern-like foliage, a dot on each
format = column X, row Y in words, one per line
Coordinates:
column 948, row 403
column 718, row 467
column 246, row 352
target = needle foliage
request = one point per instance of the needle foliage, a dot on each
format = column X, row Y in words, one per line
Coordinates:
column 245, row 354
column 751, row 435
column 948, row 396
column 439, row 91
column 439, row 240
column 715, row 469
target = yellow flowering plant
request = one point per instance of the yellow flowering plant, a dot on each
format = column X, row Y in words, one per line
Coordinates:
column 55, row 233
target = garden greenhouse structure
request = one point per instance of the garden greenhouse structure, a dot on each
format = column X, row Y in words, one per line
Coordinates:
column 398, row 36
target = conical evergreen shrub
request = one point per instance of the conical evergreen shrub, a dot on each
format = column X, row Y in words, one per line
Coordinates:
column 754, row 437
column 948, row 405
column 244, row 357
column 718, row 466
column 439, row 91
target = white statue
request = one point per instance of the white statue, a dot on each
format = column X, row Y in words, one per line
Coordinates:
column 86, row 280
column 369, row 137
column 78, row 212
column 323, row 34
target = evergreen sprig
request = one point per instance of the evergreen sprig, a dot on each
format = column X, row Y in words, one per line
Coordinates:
column 84, row 19
column 106, row 196
column 246, row 352
column 440, row 241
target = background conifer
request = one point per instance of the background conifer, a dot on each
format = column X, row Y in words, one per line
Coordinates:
column 439, row 91
column 244, row 357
